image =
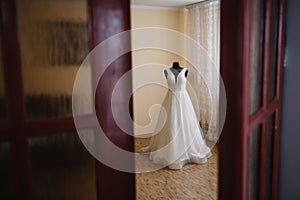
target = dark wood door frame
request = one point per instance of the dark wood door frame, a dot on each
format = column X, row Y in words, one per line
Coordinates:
column 111, row 184
column 12, row 70
column 235, row 68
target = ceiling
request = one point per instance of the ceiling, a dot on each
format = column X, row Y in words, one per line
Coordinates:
column 164, row 3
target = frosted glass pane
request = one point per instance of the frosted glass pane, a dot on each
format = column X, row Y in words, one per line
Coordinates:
column 273, row 52
column 269, row 156
column 54, row 42
column 62, row 168
column 256, row 62
column 254, row 163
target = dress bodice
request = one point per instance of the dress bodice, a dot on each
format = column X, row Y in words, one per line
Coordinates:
column 176, row 83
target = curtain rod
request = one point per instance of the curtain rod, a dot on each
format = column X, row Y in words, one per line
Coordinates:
column 199, row 3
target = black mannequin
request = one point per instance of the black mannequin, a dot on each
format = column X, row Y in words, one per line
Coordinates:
column 176, row 67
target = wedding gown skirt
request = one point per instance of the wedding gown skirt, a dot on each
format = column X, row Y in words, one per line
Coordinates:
column 180, row 138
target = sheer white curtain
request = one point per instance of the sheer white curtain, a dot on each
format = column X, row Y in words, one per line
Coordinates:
column 203, row 25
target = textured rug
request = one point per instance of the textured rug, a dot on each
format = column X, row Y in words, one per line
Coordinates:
column 192, row 182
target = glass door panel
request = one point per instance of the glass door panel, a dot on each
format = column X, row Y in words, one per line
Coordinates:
column 256, row 58
column 273, row 51
column 269, row 156
column 254, row 163
column 62, row 168
column 54, row 41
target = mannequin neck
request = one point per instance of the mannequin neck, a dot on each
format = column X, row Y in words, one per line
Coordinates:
column 176, row 66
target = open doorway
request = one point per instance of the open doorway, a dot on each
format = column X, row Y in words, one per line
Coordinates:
column 198, row 22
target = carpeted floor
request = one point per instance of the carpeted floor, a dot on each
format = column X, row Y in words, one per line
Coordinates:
column 192, row 182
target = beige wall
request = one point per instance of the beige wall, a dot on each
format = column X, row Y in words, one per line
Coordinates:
column 171, row 19
column 152, row 94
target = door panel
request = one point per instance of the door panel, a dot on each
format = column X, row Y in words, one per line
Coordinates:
column 269, row 85
column 43, row 44
column 252, row 74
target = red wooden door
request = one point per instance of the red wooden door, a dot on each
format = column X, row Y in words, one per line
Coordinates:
column 41, row 156
column 252, row 52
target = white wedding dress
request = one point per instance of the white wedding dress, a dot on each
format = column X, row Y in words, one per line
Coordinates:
column 180, row 139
